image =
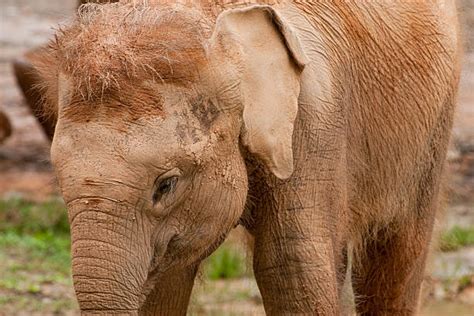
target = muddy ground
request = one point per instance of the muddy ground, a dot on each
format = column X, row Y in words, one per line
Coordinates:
column 25, row 169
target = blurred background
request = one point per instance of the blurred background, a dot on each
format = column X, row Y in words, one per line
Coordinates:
column 34, row 236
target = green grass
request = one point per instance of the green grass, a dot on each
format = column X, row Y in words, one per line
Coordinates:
column 26, row 217
column 456, row 238
column 34, row 256
column 227, row 262
column 34, row 232
column 49, row 248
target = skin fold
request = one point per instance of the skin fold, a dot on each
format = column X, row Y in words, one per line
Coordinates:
column 322, row 127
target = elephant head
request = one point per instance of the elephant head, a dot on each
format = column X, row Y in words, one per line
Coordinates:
column 156, row 109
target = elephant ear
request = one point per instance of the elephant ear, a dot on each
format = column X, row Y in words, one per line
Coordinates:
column 271, row 63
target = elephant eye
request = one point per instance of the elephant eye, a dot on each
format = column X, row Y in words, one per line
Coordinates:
column 167, row 185
column 164, row 186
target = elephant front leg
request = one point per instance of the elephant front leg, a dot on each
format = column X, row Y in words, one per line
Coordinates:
column 298, row 262
column 171, row 293
column 291, row 282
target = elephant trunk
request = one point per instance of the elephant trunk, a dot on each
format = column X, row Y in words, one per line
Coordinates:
column 111, row 255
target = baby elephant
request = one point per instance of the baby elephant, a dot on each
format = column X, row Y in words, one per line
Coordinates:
column 322, row 127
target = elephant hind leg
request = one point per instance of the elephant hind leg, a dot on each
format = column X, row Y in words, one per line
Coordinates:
column 388, row 275
column 388, row 278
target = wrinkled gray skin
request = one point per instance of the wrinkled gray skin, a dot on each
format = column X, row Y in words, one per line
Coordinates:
column 330, row 122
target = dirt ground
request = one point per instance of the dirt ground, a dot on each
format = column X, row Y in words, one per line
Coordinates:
column 25, row 170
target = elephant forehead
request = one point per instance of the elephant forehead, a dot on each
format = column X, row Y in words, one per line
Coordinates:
column 142, row 100
column 150, row 140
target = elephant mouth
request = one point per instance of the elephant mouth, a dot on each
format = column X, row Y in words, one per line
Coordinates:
column 156, row 267
column 212, row 247
column 159, row 253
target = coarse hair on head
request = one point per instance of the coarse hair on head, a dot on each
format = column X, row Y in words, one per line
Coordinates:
column 108, row 48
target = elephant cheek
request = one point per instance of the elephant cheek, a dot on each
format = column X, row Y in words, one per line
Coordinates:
column 111, row 254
